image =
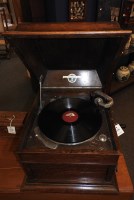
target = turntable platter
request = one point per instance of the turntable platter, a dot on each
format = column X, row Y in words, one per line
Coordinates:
column 70, row 121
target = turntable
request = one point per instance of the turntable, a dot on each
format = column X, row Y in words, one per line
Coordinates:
column 71, row 132
column 69, row 142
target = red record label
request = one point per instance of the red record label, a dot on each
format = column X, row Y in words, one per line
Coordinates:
column 70, row 116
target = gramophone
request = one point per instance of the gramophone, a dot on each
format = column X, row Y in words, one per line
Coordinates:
column 69, row 142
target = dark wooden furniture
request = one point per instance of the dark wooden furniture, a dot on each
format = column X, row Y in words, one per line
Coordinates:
column 33, row 11
column 93, row 49
column 56, row 11
column 91, row 164
column 12, row 175
column 126, row 14
column 126, row 20
column 69, row 46
column 4, row 45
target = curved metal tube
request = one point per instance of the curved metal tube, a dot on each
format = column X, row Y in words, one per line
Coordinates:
column 99, row 101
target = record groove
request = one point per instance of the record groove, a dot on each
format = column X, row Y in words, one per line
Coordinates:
column 69, row 121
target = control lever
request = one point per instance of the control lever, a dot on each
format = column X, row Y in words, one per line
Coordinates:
column 103, row 99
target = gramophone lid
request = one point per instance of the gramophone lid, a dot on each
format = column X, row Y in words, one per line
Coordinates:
column 69, row 79
column 82, row 45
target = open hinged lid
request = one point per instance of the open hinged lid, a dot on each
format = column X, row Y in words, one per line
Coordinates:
column 69, row 46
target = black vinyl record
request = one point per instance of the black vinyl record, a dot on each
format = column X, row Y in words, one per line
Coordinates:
column 69, row 120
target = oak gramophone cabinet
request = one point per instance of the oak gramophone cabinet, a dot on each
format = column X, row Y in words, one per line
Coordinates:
column 69, row 144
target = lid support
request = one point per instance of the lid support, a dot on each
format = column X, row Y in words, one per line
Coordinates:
column 40, row 85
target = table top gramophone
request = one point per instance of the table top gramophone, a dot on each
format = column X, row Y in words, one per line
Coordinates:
column 69, row 142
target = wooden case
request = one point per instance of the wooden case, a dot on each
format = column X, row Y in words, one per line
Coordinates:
column 69, row 46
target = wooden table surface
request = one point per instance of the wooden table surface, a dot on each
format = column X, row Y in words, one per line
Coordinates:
column 12, row 175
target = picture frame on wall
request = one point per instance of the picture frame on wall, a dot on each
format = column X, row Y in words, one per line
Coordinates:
column 77, row 10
